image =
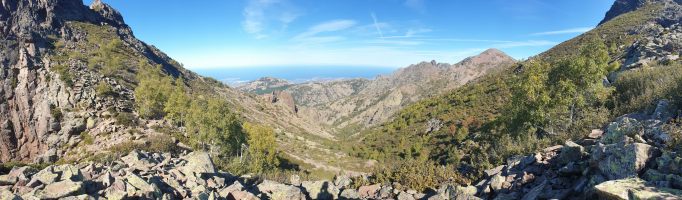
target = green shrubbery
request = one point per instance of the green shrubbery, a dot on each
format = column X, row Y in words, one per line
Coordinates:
column 210, row 123
column 513, row 112
column 414, row 174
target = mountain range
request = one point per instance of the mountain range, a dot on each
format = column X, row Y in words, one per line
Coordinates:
column 87, row 110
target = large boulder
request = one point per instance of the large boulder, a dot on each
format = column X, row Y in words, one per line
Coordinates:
column 618, row 161
column 137, row 161
column 143, row 188
column 570, row 152
column 369, row 191
column 61, row 189
column 634, row 188
column 349, row 194
column 198, row 163
column 5, row 194
column 624, row 127
column 320, row 189
column 278, row 191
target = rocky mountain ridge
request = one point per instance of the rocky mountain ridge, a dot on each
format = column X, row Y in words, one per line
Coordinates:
column 32, row 92
column 68, row 79
column 360, row 102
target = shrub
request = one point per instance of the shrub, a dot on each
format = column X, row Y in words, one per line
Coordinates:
column 104, row 89
column 126, row 119
column 415, row 174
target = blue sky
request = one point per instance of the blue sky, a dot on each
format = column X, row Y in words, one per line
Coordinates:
column 214, row 34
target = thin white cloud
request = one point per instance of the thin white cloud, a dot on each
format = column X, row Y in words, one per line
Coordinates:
column 411, row 33
column 261, row 15
column 376, row 25
column 330, row 26
column 565, row 31
column 417, row 5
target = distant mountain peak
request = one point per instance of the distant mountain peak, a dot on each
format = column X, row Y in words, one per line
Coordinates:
column 488, row 56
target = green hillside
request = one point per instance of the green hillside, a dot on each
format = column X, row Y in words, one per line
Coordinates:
column 555, row 96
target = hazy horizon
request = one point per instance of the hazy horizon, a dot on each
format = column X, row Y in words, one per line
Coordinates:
column 381, row 33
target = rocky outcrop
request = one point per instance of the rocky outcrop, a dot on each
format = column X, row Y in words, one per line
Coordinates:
column 623, row 6
column 46, row 103
column 627, row 158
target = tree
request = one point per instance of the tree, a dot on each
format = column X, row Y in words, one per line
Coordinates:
column 552, row 97
column 152, row 91
column 178, row 103
column 212, row 126
column 262, row 152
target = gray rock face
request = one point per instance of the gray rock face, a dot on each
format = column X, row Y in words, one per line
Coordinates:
column 620, row 161
column 623, row 6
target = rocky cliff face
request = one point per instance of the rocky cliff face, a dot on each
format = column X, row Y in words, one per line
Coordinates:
column 26, row 93
column 42, row 106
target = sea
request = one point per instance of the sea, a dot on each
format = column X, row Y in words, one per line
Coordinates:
column 235, row 76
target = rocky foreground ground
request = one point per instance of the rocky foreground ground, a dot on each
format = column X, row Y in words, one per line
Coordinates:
column 624, row 161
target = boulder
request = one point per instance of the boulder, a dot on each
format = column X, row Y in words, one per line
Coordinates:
column 61, row 189
column 404, row 196
column 623, row 127
column 595, row 134
column 137, row 161
column 342, row 182
column 664, row 111
column 45, row 176
column 570, row 152
column 236, row 186
column 535, row 191
column 349, row 194
column 7, row 180
column 369, row 191
column 618, row 161
column 198, row 163
column 278, row 191
column 634, row 188
column 320, row 189
column 295, row 180
column 143, row 186
column 8, row 195
column 497, row 182
column 70, row 172
column 242, row 195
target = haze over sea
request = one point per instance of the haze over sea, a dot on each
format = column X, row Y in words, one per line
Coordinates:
column 296, row 74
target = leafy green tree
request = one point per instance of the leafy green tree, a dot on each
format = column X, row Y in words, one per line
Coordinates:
column 552, row 97
column 212, row 126
column 178, row 103
column 262, row 152
column 152, row 91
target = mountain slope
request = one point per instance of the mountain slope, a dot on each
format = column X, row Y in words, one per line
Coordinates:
column 69, row 76
column 473, row 127
column 347, row 106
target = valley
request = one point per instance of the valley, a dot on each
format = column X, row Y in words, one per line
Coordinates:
column 89, row 111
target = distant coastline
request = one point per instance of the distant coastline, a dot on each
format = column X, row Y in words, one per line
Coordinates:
column 297, row 74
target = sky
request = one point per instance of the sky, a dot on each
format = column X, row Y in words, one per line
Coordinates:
column 219, row 34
